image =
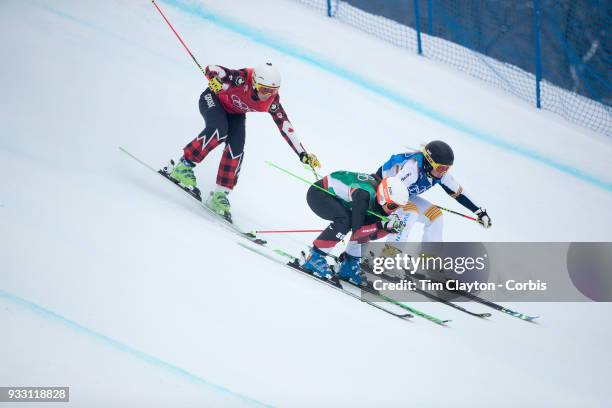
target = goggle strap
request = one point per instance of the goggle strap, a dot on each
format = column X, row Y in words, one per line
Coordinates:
column 433, row 164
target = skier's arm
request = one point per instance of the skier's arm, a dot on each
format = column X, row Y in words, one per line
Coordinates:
column 453, row 189
column 397, row 165
column 285, row 127
column 360, row 232
column 361, row 204
column 409, row 172
column 392, row 166
column 223, row 78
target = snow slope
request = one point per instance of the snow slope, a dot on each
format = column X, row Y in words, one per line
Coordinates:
column 114, row 284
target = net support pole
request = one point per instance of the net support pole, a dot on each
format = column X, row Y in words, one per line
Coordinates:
column 417, row 26
column 536, row 50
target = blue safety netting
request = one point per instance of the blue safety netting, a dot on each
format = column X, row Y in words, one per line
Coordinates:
column 555, row 54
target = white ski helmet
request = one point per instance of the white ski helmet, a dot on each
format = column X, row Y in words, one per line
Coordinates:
column 392, row 192
column 266, row 75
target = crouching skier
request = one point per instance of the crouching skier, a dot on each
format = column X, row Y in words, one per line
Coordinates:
column 344, row 198
column 419, row 171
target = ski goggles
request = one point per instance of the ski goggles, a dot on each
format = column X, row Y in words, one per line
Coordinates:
column 264, row 89
column 438, row 168
column 391, row 206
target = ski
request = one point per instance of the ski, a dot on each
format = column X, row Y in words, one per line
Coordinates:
column 485, row 302
column 216, row 217
column 293, row 265
column 475, row 298
column 400, row 304
column 432, row 296
column 376, row 293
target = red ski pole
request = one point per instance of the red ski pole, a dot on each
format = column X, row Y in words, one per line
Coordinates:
column 285, row 231
column 178, row 36
column 458, row 213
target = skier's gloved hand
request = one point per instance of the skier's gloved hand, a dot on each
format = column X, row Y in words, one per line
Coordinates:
column 483, row 218
column 393, row 224
column 310, row 159
column 215, row 84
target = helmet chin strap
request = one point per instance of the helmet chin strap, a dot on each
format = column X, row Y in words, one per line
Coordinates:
column 430, row 174
column 254, row 92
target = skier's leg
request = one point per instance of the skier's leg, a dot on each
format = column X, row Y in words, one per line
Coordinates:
column 434, row 230
column 214, row 133
column 233, row 154
column 229, row 167
column 431, row 217
column 350, row 268
column 328, row 208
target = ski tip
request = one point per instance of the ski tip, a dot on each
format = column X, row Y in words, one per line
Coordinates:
column 530, row 318
column 486, row 315
column 406, row 316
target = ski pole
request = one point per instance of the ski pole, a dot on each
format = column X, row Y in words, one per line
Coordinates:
column 458, row 213
column 178, row 36
column 317, row 177
column 285, row 231
column 269, row 163
column 309, row 167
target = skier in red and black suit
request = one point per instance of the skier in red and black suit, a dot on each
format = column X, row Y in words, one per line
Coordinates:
column 230, row 95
